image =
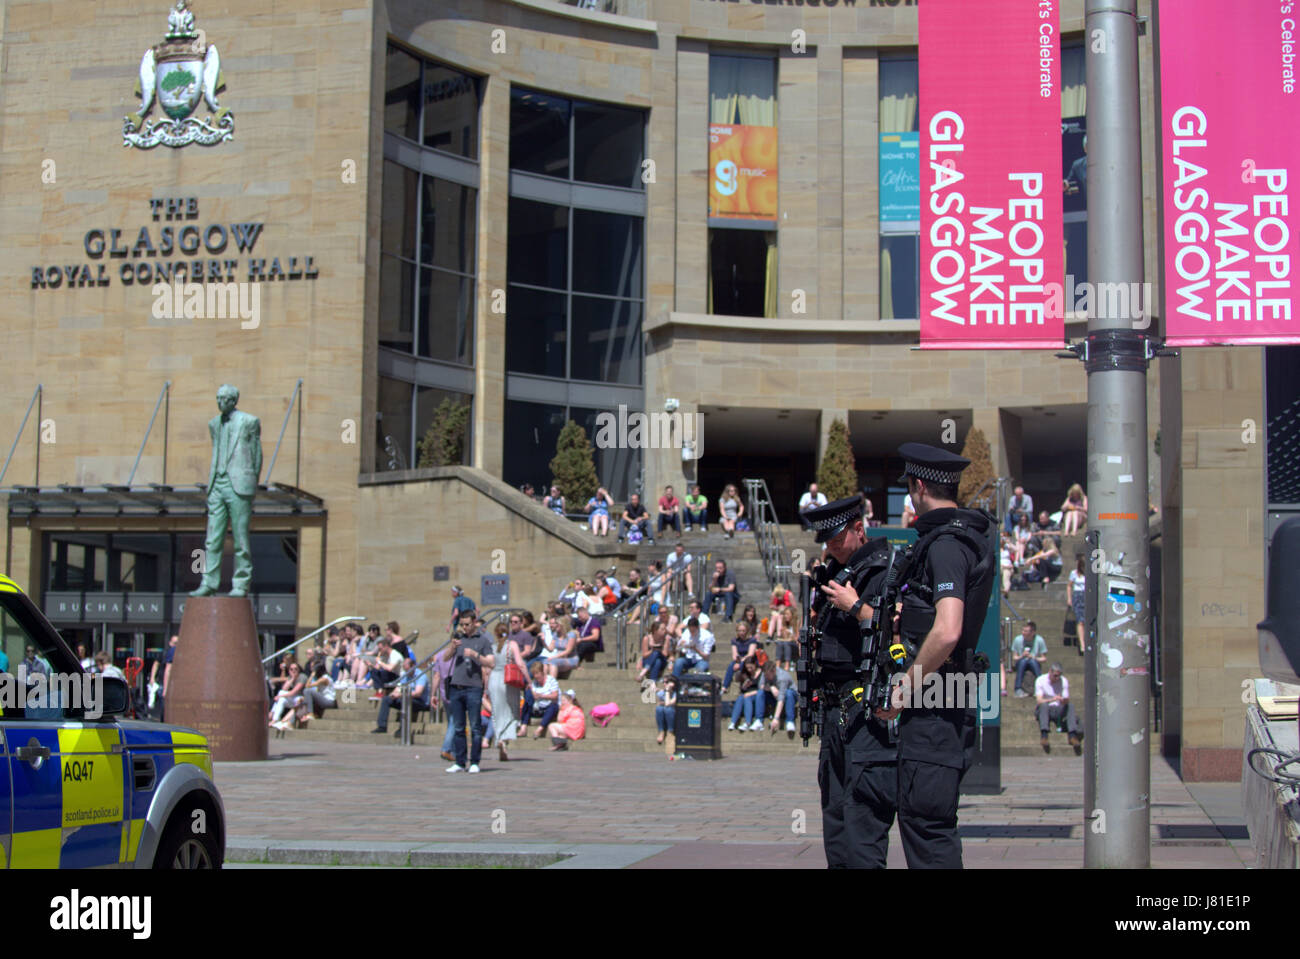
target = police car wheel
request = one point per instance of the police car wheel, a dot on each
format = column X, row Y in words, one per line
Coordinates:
column 191, row 855
column 182, row 849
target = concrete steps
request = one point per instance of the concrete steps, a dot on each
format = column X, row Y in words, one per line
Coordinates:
column 600, row 681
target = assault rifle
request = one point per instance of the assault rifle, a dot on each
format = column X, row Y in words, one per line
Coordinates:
column 883, row 655
column 808, row 673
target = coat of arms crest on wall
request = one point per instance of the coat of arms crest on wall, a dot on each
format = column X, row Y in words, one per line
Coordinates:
column 179, row 72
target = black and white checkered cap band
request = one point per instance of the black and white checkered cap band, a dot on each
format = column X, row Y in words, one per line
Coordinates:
column 932, row 475
column 839, row 519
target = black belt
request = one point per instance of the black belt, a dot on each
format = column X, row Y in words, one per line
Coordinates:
column 847, row 698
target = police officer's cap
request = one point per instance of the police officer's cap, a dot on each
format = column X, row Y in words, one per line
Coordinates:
column 931, row 464
column 834, row 518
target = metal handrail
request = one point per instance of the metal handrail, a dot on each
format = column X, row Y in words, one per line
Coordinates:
column 767, row 533
column 625, row 642
column 493, row 614
column 315, row 632
column 995, row 488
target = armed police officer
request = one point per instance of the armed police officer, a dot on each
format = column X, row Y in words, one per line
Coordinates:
column 857, row 767
column 945, row 596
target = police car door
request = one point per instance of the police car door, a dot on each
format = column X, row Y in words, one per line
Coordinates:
column 65, row 773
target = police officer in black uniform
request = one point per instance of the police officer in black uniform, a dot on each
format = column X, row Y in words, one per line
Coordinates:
column 949, row 581
column 857, row 767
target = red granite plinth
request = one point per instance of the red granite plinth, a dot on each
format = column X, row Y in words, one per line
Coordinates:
column 217, row 684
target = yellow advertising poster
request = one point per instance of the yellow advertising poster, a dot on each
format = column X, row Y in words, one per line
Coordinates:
column 742, row 172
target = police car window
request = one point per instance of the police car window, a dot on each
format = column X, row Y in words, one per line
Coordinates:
column 33, row 687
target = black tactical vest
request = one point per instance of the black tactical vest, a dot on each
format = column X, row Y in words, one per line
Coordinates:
column 969, row 527
column 840, row 650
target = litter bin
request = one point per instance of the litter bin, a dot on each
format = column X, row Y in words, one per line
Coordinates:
column 697, row 722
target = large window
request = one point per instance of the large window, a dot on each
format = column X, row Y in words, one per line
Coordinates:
column 157, row 562
column 428, row 249
column 575, row 270
column 532, row 430
column 575, row 267
column 575, row 140
column 406, row 412
column 742, row 273
column 743, row 165
column 1074, row 165
column 431, row 104
column 427, row 271
column 900, row 224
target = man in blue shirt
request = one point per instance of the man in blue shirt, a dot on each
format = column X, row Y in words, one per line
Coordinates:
column 418, row 680
column 1028, row 653
column 459, row 604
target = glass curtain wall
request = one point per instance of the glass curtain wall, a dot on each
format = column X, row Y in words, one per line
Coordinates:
column 575, row 270
column 428, row 238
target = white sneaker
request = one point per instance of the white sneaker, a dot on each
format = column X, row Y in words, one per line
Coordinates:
column 756, row 725
column 742, row 727
column 473, row 767
column 789, row 727
column 455, row 768
column 731, row 725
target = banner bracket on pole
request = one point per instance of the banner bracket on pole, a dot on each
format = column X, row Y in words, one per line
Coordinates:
column 1117, row 350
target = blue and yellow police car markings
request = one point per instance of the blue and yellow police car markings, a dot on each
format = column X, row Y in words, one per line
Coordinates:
column 37, row 789
column 93, row 777
column 94, row 793
column 192, row 748
column 69, row 810
column 7, row 585
column 131, row 840
column 37, row 849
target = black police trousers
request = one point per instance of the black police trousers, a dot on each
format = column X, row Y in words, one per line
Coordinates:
column 927, row 814
column 858, row 784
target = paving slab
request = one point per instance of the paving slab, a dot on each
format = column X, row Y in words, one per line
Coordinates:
column 615, row 810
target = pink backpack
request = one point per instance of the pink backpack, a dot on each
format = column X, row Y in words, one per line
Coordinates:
column 603, row 713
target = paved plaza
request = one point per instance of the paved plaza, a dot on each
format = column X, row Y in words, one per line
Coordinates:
column 359, row 804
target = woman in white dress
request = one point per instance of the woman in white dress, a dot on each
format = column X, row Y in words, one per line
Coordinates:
column 505, row 699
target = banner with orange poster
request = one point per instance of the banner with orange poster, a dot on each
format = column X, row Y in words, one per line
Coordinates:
column 742, row 172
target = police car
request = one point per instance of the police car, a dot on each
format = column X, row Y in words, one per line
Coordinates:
column 81, row 787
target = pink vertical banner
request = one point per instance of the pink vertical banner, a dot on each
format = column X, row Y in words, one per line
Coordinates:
column 1230, row 146
column 992, row 239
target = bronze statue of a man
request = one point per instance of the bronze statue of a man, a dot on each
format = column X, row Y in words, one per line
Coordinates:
column 232, row 481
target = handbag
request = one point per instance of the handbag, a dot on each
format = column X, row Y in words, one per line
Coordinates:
column 515, row 676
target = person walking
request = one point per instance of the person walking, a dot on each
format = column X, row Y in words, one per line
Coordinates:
column 471, row 653
column 505, row 699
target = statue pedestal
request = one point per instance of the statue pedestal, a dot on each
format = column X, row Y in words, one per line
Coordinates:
column 218, row 686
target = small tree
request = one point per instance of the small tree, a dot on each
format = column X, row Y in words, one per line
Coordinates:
column 980, row 470
column 573, row 469
column 837, row 477
column 444, row 442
